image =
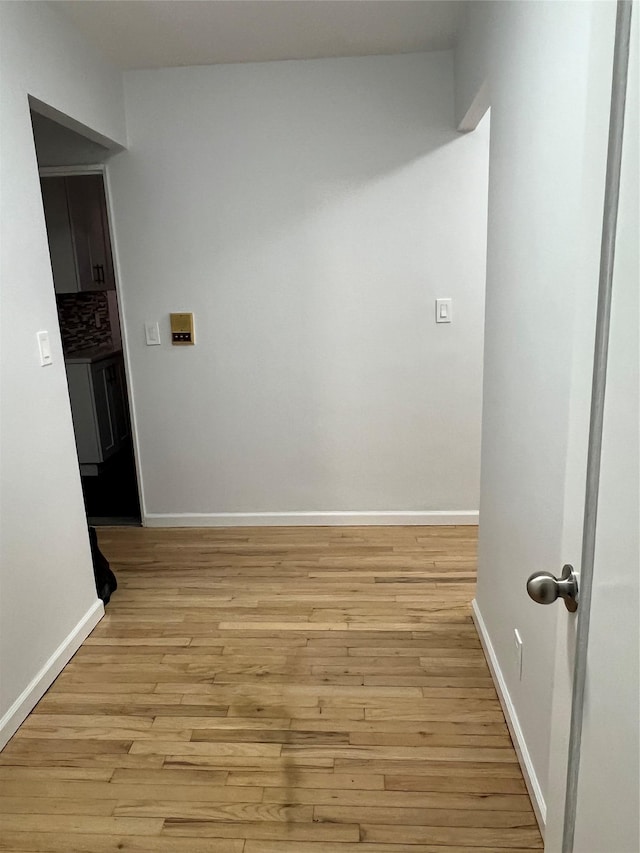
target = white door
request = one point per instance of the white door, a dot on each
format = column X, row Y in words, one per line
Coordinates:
column 544, row 68
column 607, row 818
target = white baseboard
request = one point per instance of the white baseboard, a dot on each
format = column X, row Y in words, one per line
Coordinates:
column 528, row 770
column 41, row 682
column 310, row 519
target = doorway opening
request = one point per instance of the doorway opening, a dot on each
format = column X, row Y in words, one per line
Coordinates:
column 74, row 196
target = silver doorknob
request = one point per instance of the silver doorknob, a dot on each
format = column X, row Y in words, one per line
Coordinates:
column 544, row 588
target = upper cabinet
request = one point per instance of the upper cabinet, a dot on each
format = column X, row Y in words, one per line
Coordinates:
column 75, row 211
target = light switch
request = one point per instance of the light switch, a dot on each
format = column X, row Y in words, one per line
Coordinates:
column 517, row 651
column 152, row 334
column 443, row 310
column 45, row 349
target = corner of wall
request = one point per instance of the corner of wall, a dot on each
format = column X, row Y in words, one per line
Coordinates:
column 44, row 678
column 513, row 724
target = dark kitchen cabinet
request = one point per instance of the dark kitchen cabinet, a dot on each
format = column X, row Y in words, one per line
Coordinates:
column 99, row 409
column 108, row 389
column 75, row 210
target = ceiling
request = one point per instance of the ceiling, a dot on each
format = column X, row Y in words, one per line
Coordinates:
column 151, row 34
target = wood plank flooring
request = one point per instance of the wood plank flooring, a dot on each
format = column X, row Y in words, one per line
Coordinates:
column 301, row 690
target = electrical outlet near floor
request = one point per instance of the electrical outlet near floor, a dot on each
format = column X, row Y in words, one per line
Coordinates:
column 517, row 652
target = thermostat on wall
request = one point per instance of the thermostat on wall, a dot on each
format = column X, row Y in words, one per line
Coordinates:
column 182, row 329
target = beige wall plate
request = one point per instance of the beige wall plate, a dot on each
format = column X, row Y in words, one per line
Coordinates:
column 182, row 331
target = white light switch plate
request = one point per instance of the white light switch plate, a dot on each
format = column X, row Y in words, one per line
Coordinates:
column 152, row 334
column 517, row 652
column 443, row 310
column 44, row 347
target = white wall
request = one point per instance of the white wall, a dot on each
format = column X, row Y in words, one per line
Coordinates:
column 309, row 213
column 59, row 146
column 546, row 183
column 46, row 578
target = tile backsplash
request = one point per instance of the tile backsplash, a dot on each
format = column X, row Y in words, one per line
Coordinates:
column 84, row 320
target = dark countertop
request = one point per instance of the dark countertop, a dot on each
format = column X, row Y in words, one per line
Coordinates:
column 92, row 354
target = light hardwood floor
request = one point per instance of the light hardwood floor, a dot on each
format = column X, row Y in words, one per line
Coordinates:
column 308, row 690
